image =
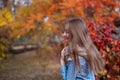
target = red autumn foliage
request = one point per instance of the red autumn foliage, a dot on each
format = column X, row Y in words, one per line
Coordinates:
column 101, row 35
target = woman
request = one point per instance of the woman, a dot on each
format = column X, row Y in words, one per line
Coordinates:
column 80, row 60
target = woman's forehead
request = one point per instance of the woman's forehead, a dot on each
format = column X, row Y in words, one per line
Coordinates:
column 67, row 26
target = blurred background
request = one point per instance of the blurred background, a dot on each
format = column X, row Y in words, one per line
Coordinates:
column 31, row 40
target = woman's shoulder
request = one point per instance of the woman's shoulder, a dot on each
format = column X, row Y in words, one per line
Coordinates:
column 81, row 51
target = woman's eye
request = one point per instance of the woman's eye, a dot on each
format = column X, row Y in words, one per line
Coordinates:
column 66, row 32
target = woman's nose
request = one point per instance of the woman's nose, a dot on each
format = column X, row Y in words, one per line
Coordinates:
column 64, row 34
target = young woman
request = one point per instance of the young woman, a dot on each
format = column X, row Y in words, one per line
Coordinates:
column 80, row 60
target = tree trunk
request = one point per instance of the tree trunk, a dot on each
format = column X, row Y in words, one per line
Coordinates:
column 5, row 2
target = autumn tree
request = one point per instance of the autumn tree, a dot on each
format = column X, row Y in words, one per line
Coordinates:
column 5, row 19
column 99, row 16
column 47, row 17
column 99, row 19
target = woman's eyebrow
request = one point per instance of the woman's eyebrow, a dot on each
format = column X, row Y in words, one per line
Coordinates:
column 66, row 30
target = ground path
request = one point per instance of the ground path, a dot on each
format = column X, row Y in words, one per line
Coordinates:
column 27, row 66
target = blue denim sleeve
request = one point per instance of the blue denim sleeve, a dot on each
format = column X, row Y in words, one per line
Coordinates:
column 63, row 72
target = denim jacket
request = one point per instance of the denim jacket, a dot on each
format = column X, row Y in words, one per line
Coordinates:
column 68, row 71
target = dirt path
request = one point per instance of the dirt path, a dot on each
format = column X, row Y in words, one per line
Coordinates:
column 27, row 66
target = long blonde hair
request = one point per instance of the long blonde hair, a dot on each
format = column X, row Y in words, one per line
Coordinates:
column 78, row 30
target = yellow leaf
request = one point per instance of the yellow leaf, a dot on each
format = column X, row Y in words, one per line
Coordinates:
column 2, row 21
column 5, row 17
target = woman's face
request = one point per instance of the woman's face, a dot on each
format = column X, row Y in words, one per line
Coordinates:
column 67, row 34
